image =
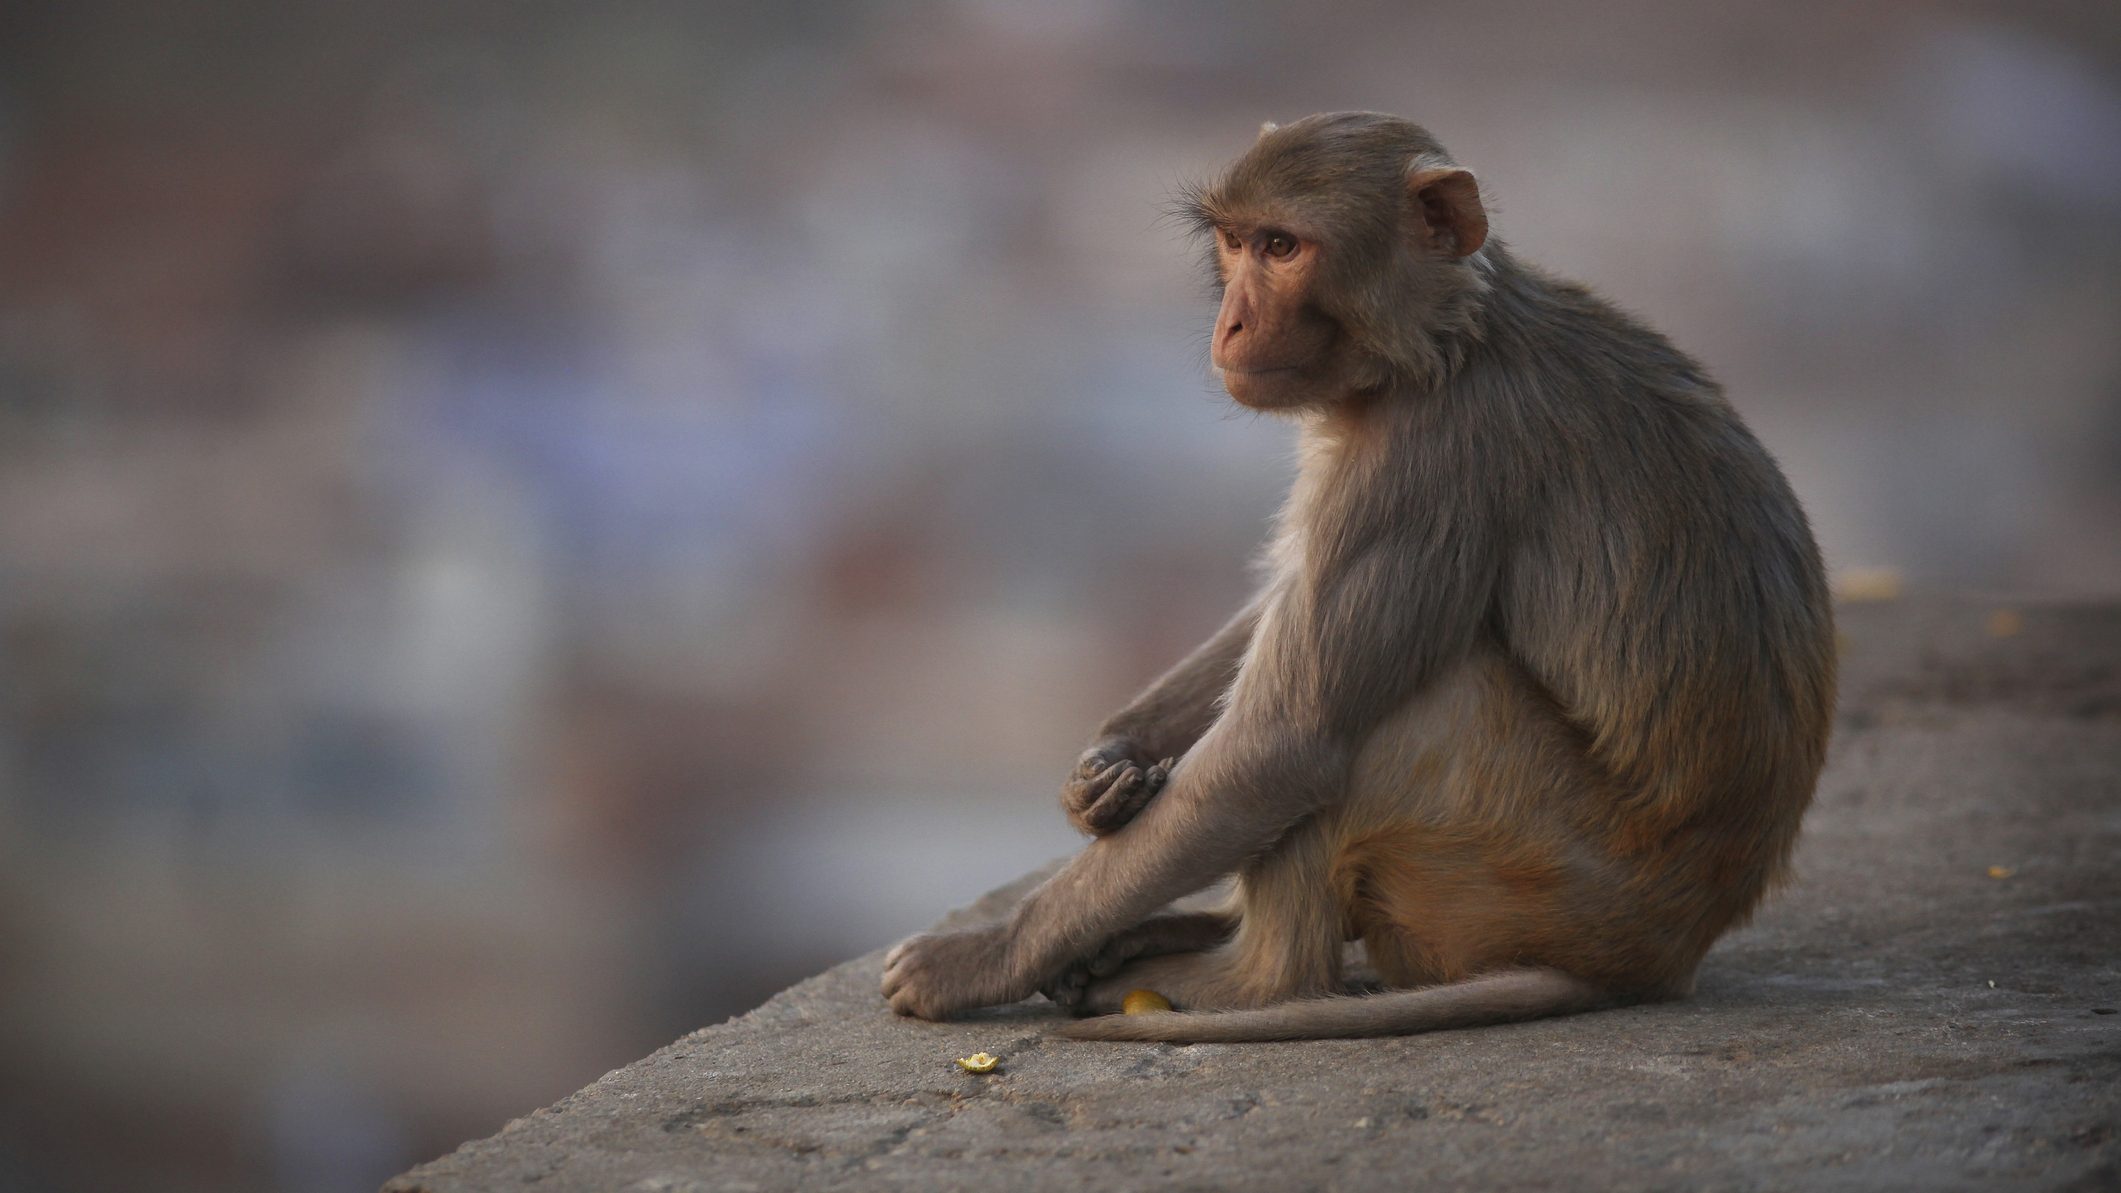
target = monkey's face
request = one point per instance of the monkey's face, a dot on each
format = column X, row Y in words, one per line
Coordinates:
column 1273, row 347
column 1340, row 245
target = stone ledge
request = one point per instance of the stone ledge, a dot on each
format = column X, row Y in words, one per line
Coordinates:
column 1897, row 1019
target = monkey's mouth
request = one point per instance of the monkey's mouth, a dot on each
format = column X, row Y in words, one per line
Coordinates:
column 1234, row 371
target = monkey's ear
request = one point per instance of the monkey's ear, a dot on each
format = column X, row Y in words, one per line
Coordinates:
column 1452, row 217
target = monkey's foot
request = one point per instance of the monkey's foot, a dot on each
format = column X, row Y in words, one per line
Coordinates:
column 1183, row 932
column 937, row 974
column 1110, row 786
column 1192, row 981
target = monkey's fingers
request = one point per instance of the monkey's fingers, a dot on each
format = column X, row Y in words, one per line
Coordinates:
column 1066, row 989
column 1107, row 963
column 1081, row 799
column 1177, row 932
column 1127, row 797
column 1095, row 762
column 1079, row 792
column 1108, row 776
column 1121, row 949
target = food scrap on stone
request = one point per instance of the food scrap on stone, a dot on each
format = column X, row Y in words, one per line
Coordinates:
column 978, row 1062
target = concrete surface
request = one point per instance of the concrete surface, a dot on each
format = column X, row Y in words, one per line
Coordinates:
column 1898, row 1018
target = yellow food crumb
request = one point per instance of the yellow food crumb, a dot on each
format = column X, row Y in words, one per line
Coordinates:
column 2005, row 623
column 978, row 1062
column 1142, row 1002
column 2000, row 871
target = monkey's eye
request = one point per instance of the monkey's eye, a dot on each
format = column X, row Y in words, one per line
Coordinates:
column 1279, row 246
column 1231, row 242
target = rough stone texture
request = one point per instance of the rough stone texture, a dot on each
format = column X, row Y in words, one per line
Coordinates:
column 1897, row 1019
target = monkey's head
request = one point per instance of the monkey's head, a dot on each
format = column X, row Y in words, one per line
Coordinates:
column 1342, row 245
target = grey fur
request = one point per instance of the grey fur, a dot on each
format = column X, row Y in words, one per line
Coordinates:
column 1537, row 689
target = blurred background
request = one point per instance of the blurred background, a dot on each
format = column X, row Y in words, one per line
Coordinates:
column 526, row 527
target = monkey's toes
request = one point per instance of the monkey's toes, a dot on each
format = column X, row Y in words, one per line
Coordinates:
column 898, row 967
column 898, row 953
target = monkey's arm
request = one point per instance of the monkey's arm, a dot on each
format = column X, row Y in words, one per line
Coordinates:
column 1233, row 796
column 1121, row 771
column 1335, row 655
column 1172, row 714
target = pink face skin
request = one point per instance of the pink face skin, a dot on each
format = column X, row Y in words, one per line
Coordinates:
column 1272, row 348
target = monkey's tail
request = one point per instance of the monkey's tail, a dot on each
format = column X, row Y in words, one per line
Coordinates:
column 1506, row 997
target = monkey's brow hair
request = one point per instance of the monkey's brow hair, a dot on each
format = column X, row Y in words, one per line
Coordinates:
column 1194, row 209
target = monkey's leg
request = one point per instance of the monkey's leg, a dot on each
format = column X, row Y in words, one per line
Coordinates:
column 1287, row 943
column 1482, row 851
column 1462, row 869
column 1121, row 772
column 1232, row 800
column 1328, row 660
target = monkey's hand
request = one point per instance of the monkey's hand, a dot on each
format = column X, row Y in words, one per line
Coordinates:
column 933, row 975
column 1110, row 786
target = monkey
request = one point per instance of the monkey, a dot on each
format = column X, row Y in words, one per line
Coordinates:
column 1534, row 692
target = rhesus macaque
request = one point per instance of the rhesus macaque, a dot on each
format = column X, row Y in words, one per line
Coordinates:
column 1537, row 687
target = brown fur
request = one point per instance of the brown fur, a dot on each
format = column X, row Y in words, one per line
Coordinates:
column 1537, row 689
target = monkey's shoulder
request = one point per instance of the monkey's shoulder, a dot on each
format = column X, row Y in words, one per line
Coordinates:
column 1614, row 353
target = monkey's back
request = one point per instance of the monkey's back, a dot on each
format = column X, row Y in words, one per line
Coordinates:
column 1663, row 587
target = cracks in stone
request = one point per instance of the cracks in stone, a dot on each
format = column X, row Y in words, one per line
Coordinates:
column 895, row 1126
column 1164, row 1060
column 918, row 1113
column 702, row 1113
column 887, row 1143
